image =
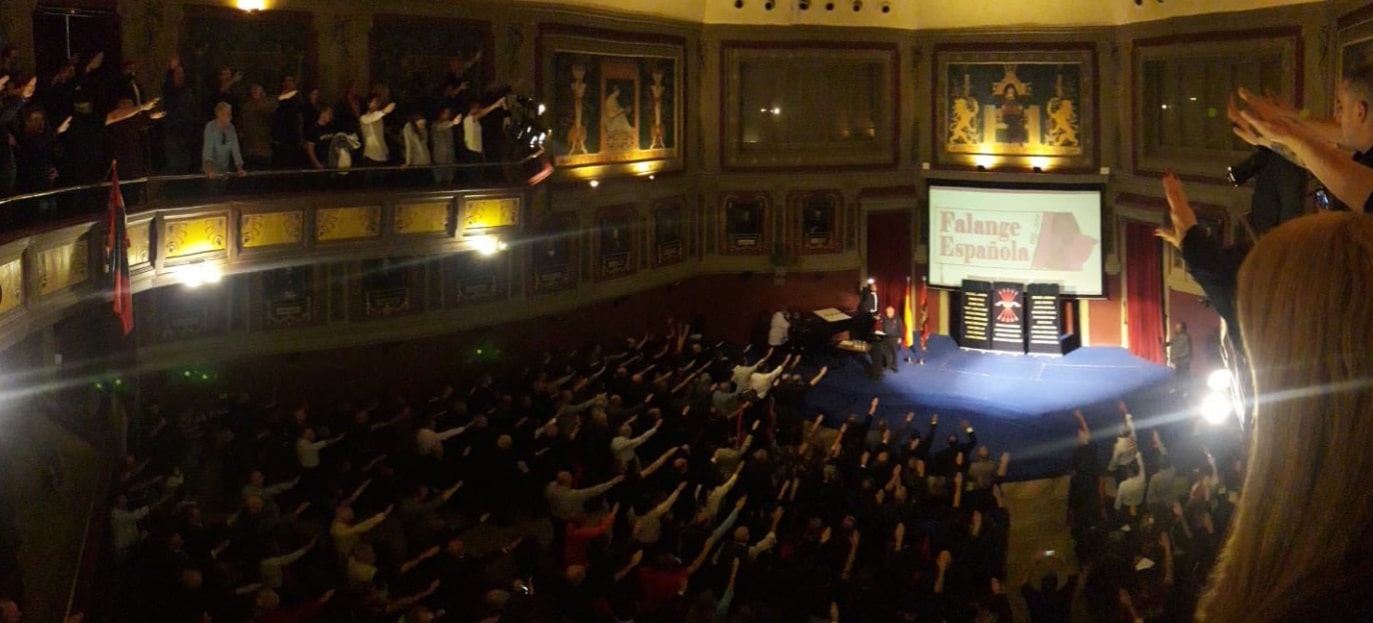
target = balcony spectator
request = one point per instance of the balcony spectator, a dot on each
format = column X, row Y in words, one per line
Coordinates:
column 374, row 150
column 127, row 86
column 255, row 127
column 221, row 154
column 226, row 91
column 288, row 127
column 442, row 146
column 36, row 157
column 183, row 119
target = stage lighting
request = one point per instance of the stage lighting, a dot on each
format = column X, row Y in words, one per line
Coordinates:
column 196, row 275
column 886, row 7
column 804, row 5
column 1220, row 380
column 594, row 183
column 857, row 5
column 1216, row 408
column 488, row 245
column 768, row 6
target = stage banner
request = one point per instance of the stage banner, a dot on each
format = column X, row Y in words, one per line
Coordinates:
column 977, row 314
column 1008, row 317
column 1044, row 318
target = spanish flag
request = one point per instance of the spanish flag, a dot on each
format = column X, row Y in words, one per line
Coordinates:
column 117, row 249
column 908, row 315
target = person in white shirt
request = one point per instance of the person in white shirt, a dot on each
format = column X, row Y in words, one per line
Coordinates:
column 761, row 382
column 430, row 442
column 780, row 329
column 373, row 132
column 623, row 446
column 124, row 531
column 416, row 135
column 473, row 146
column 307, row 448
column 1130, row 492
column 742, row 371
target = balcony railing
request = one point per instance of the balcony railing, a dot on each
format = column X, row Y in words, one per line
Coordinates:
column 21, row 215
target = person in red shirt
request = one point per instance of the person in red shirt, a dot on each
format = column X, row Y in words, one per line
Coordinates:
column 579, row 537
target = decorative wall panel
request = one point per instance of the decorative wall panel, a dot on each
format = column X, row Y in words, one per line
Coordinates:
column 196, row 235
column 11, row 285
column 333, row 224
column 63, row 266
column 422, row 218
column 268, row 229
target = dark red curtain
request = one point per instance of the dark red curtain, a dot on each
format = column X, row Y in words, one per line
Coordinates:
column 889, row 256
column 1144, row 291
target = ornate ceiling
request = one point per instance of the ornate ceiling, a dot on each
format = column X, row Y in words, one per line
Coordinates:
column 922, row 14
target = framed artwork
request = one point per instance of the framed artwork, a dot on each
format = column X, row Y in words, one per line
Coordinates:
column 614, row 235
column 1354, row 41
column 418, row 54
column 265, row 45
column 745, row 224
column 1182, row 84
column 814, row 221
column 474, row 278
column 813, row 105
column 614, row 98
column 553, row 256
column 1016, row 106
column 669, row 231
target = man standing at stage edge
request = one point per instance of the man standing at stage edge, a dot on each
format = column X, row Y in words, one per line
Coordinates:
column 1180, row 350
column 884, row 352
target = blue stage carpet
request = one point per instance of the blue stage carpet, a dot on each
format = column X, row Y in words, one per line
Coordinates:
column 1020, row 404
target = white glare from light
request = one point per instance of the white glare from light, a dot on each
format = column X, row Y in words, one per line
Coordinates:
column 541, row 108
column 1216, row 408
column 196, row 275
column 488, row 245
column 1220, row 380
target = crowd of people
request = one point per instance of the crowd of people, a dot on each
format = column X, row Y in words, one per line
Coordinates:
column 665, row 480
column 66, row 132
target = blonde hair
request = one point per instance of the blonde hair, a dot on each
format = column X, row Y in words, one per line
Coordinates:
column 1305, row 306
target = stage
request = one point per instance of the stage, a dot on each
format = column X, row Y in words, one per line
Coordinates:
column 1017, row 403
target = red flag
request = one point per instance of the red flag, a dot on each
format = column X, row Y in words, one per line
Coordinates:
column 924, row 312
column 117, row 248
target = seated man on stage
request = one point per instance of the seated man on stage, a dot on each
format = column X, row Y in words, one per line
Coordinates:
column 884, row 352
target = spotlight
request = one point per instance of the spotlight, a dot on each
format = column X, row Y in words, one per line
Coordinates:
column 886, row 7
column 804, row 5
column 871, row 281
column 767, row 6
column 488, row 245
column 829, row 6
column 652, row 177
column 594, row 183
column 738, row 4
column 1216, row 408
column 1220, row 380
column 542, row 109
column 199, row 274
column 857, row 5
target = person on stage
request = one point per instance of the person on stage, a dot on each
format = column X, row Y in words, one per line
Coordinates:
column 884, row 352
column 866, row 312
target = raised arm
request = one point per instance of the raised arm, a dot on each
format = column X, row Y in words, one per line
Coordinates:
column 815, row 380
column 658, row 464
